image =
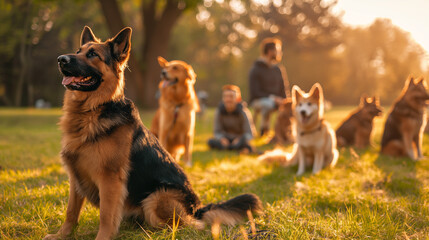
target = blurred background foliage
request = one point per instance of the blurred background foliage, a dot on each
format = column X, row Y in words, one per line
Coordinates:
column 219, row 38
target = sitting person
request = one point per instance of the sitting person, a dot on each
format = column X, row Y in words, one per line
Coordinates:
column 268, row 82
column 233, row 124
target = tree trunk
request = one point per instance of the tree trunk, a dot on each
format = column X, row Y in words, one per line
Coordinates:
column 134, row 77
column 157, row 31
column 157, row 34
column 30, row 87
column 23, row 61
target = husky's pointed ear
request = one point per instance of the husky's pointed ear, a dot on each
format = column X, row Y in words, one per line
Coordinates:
column 191, row 74
column 297, row 94
column 122, row 44
column 162, row 62
column 87, row 36
column 316, row 92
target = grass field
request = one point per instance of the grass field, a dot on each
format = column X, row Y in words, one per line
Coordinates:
column 367, row 196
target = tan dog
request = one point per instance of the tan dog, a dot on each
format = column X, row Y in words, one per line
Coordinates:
column 357, row 127
column 174, row 122
column 316, row 143
column 284, row 131
column 403, row 131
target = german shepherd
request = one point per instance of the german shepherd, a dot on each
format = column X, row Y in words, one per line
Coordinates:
column 284, row 131
column 113, row 160
column 357, row 127
column 174, row 122
column 403, row 130
column 316, row 143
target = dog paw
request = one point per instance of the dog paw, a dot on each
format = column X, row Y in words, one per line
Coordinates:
column 52, row 237
column 412, row 156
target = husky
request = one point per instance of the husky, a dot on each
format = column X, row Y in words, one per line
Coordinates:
column 316, row 143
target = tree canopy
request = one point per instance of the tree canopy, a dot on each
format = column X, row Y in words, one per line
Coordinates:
column 219, row 38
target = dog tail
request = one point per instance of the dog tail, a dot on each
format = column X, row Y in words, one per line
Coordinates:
column 280, row 157
column 230, row 212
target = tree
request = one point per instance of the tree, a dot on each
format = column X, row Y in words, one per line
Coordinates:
column 15, row 48
column 225, row 48
column 377, row 60
column 33, row 34
column 158, row 19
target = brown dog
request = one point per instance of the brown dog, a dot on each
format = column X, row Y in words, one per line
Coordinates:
column 357, row 127
column 284, row 131
column 174, row 122
column 112, row 159
column 403, row 131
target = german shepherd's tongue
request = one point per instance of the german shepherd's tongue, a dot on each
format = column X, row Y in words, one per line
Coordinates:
column 67, row 80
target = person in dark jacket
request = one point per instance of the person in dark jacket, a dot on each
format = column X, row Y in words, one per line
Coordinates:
column 233, row 124
column 268, row 82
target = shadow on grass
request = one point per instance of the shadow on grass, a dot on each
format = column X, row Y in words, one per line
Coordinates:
column 270, row 188
column 400, row 176
column 205, row 157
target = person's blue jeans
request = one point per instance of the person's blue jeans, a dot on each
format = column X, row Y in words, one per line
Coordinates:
column 215, row 143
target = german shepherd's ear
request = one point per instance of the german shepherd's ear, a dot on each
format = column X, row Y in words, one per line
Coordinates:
column 122, row 44
column 421, row 81
column 297, row 94
column 410, row 81
column 316, row 92
column 376, row 100
column 363, row 99
column 191, row 74
column 87, row 36
column 162, row 62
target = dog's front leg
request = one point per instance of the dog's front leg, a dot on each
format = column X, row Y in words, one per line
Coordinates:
column 112, row 194
column 163, row 137
column 408, row 144
column 418, row 141
column 361, row 138
column 163, row 130
column 72, row 216
column 318, row 161
column 189, row 139
column 301, row 162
